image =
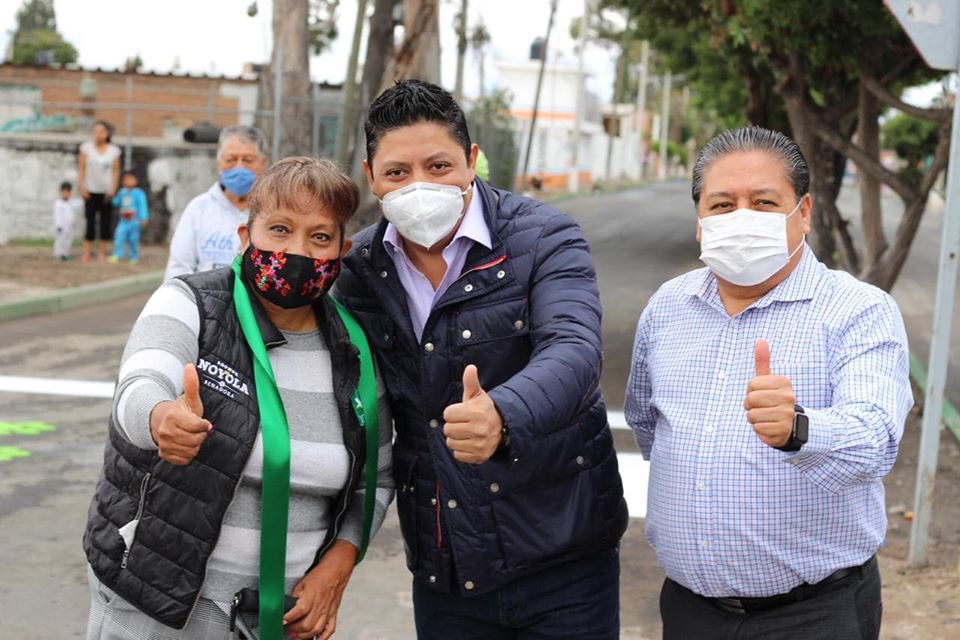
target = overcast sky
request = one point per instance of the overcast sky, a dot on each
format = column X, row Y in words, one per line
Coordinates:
column 217, row 36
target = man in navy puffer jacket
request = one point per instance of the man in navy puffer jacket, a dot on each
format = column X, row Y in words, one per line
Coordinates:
column 484, row 311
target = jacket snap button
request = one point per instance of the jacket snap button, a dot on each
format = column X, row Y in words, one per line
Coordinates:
column 468, row 288
column 434, row 424
column 433, row 578
column 428, row 347
column 452, row 504
column 580, row 460
column 518, row 325
column 466, row 334
column 494, row 488
column 386, row 337
column 364, row 252
column 433, row 501
column 468, row 585
column 383, row 274
column 501, row 273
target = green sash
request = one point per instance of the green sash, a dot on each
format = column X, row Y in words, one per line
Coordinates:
column 275, row 492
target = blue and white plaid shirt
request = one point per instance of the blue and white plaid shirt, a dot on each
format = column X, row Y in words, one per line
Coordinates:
column 727, row 515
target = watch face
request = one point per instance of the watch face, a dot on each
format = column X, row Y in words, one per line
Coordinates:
column 801, row 424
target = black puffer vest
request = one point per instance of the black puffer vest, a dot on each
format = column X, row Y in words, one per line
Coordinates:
column 181, row 508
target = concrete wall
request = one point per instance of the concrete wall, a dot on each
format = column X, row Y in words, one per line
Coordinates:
column 33, row 166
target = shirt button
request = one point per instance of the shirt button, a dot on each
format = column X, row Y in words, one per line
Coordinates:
column 434, row 424
column 468, row 585
column 494, row 488
column 704, row 544
column 466, row 334
column 500, row 274
column 701, row 486
column 428, row 347
column 468, row 289
column 518, row 325
column 432, row 578
column 383, row 274
column 709, row 428
column 722, row 375
column 452, row 504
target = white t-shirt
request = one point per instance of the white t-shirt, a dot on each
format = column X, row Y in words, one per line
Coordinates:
column 206, row 236
column 63, row 213
column 99, row 174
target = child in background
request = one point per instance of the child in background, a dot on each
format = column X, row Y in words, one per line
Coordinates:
column 131, row 202
column 64, row 210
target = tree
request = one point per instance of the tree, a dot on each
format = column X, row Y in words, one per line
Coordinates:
column 133, row 63
column 299, row 27
column 491, row 128
column 832, row 67
column 418, row 55
column 36, row 40
column 479, row 39
column 460, row 26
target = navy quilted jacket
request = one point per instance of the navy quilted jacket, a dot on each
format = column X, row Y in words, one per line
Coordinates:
column 527, row 313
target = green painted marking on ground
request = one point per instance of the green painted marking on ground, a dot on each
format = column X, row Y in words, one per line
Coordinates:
column 30, row 428
column 951, row 417
column 9, row 453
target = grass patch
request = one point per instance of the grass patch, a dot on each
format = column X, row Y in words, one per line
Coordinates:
column 31, row 242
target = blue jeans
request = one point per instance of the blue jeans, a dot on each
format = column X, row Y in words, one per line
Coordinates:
column 127, row 235
column 580, row 599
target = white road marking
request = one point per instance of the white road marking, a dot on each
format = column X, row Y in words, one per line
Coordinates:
column 56, row 387
column 634, row 469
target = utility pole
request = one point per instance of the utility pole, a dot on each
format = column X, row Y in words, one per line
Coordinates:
column 349, row 107
column 664, row 125
column 642, row 105
column 574, row 180
column 536, row 97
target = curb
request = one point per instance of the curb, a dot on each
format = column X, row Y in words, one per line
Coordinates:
column 949, row 417
column 87, row 295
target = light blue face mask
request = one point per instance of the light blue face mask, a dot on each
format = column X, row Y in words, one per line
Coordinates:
column 238, row 180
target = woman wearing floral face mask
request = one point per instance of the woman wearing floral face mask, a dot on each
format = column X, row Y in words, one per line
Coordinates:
column 245, row 432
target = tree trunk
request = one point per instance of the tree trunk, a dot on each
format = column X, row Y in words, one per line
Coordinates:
column 291, row 34
column 868, row 135
column 820, row 159
column 418, row 56
column 379, row 53
column 461, row 51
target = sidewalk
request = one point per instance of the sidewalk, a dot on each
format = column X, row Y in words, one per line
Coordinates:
column 32, row 282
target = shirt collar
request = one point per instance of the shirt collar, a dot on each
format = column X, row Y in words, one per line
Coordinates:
column 799, row 285
column 473, row 227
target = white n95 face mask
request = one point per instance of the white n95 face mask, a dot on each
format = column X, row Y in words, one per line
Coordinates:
column 424, row 212
column 746, row 247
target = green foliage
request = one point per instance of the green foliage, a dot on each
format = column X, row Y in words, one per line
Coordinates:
column 673, row 150
column 323, row 24
column 41, row 46
column 36, row 14
column 913, row 140
column 736, row 54
column 36, row 40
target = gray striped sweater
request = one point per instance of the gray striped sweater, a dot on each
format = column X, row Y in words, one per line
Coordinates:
column 162, row 341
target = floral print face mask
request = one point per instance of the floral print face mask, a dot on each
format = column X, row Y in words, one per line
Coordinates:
column 288, row 280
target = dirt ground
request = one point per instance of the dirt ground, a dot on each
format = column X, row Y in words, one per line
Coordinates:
column 918, row 603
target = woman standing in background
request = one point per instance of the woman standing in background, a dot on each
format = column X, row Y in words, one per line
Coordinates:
column 98, row 174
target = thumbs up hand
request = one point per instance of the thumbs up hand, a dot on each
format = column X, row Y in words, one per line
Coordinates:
column 473, row 427
column 178, row 426
column 770, row 401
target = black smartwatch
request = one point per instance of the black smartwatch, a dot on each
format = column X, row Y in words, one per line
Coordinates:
column 798, row 435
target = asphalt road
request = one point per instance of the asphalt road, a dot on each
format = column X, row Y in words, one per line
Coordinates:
column 639, row 238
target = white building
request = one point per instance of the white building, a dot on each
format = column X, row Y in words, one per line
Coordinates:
column 551, row 157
